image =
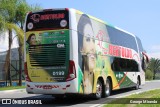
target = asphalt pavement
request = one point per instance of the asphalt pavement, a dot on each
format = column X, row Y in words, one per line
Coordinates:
column 48, row 100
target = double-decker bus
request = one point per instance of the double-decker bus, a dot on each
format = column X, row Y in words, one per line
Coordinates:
column 70, row 52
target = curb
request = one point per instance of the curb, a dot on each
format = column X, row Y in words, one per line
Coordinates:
column 14, row 90
column 153, row 81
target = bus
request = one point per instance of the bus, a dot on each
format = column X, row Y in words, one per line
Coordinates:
column 70, row 52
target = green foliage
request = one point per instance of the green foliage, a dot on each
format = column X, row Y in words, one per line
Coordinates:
column 154, row 66
column 14, row 11
column 157, row 76
column 11, row 88
column 21, row 10
column 149, row 75
column 7, row 9
column 12, row 17
column 149, row 94
column 1, row 22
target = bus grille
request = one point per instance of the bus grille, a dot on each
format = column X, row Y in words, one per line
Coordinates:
column 47, row 55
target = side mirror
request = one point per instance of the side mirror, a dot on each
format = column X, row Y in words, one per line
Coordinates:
column 145, row 57
column 145, row 61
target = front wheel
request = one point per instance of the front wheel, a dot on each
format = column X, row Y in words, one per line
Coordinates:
column 98, row 93
column 137, row 84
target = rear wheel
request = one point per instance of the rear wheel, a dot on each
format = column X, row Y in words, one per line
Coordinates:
column 98, row 93
column 107, row 88
column 59, row 96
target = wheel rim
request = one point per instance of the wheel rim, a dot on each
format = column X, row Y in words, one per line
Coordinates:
column 99, row 89
column 107, row 88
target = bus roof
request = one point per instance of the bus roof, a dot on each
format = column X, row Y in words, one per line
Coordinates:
column 92, row 17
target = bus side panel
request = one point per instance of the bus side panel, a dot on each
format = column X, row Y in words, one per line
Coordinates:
column 93, row 60
column 97, row 47
column 74, row 49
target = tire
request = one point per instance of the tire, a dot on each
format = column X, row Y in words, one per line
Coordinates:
column 98, row 93
column 59, row 96
column 107, row 88
column 137, row 84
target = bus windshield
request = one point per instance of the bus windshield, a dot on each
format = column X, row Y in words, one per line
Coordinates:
column 47, row 20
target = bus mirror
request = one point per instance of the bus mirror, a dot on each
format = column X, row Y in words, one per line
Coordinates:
column 144, row 64
column 145, row 61
column 145, row 57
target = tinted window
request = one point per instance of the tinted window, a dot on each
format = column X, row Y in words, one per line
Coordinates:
column 140, row 48
column 121, row 64
column 139, row 44
column 118, row 37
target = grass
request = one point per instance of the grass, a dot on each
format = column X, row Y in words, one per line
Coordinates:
column 154, row 95
column 11, row 88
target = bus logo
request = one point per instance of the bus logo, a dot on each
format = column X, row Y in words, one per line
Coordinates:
column 60, row 45
column 35, row 17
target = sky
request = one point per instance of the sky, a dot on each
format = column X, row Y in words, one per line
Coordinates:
column 4, row 42
column 140, row 17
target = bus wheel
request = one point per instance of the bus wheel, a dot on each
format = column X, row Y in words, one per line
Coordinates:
column 57, row 97
column 137, row 84
column 107, row 88
column 98, row 93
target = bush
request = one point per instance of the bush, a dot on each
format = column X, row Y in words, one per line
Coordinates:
column 157, row 76
column 149, row 75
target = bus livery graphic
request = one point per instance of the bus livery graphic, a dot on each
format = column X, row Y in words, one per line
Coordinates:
column 68, row 51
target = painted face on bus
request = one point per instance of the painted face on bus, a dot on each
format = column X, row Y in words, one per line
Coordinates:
column 32, row 39
column 89, row 46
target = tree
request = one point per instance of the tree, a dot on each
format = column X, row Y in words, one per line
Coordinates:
column 21, row 11
column 154, row 66
column 12, row 13
column 22, row 8
column 7, row 14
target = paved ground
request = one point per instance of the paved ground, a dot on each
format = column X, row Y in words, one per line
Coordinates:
column 48, row 100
